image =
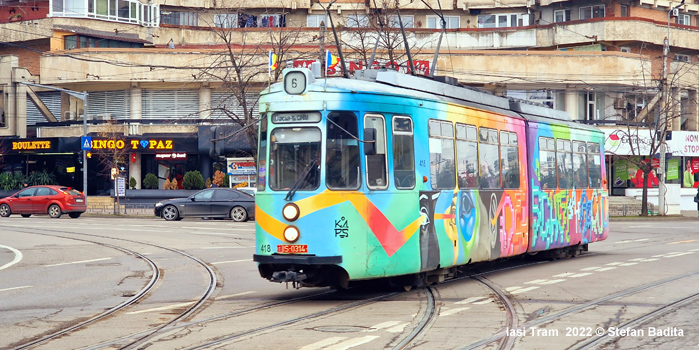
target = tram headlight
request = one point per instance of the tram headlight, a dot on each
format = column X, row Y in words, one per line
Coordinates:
column 291, row 212
column 291, row 234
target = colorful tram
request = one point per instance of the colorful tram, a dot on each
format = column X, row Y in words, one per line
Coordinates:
column 387, row 175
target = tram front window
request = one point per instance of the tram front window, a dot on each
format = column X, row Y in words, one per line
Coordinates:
column 294, row 159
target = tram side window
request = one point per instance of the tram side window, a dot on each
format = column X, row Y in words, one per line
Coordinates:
column 509, row 158
column 594, row 165
column 403, row 153
column 342, row 152
column 564, row 152
column 488, row 156
column 467, row 155
column 376, row 164
column 580, row 179
column 547, row 163
column 442, row 154
column 262, row 154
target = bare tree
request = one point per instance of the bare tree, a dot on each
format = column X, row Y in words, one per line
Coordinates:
column 645, row 130
column 111, row 150
column 242, row 66
column 378, row 36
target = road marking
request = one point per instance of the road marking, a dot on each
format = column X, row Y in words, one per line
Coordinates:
column 18, row 257
column 78, row 262
column 553, row 281
column 234, row 295
column 523, row 290
column 13, row 288
column 643, row 260
column 614, row 263
column 535, row 282
column 486, row 301
column 678, row 254
column 590, row 268
column 323, row 343
column 398, row 328
column 606, row 268
column 352, row 343
column 694, row 250
column 511, row 289
column 664, row 255
column 564, row 274
column 470, row 300
column 230, row 261
column 631, row 241
column 382, row 325
column 452, row 311
column 580, row 275
column 628, row 264
column 161, row 308
column 680, row 242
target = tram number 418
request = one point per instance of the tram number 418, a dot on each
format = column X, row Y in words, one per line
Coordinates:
column 266, row 248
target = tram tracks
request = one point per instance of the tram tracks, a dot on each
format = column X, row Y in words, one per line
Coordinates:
column 156, row 277
column 505, row 341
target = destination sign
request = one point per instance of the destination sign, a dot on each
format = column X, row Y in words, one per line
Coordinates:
column 301, row 117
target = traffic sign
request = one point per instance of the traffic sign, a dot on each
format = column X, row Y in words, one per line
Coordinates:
column 86, row 142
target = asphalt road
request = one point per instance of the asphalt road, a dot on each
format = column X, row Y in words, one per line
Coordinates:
column 105, row 283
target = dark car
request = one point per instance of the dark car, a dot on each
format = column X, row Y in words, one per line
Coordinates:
column 209, row 203
column 52, row 200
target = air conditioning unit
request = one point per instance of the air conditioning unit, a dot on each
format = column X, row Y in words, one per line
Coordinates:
column 675, row 12
column 68, row 115
column 105, row 116
column 620, row 103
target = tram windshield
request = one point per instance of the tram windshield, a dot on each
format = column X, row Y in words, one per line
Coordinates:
column 294, row 159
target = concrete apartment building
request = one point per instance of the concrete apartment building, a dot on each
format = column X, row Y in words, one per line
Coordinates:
column 144, row 64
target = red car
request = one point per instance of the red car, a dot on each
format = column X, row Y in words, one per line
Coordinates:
column 52, row 200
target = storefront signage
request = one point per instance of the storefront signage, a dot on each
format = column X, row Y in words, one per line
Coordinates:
column 173, row 155
column 684, row 143
column 30, row 145
column 242, row 166
column 132, row 144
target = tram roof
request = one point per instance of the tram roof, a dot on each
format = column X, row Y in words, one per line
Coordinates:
column 395, row 83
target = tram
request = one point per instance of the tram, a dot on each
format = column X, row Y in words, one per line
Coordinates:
column 390, row 175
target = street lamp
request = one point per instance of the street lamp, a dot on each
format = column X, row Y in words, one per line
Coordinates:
column 82, row 96
column 664, row 116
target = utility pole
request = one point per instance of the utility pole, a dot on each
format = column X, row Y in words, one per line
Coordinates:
column 321, row 39
column 663, row 123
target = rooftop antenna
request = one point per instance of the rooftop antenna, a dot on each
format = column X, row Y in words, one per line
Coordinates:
column 405, row 40
column 444, row 29
column 345, row 73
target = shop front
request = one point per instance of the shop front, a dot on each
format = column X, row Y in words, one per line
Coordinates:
column 166, row 157
column 681, row 167
column 59, row 157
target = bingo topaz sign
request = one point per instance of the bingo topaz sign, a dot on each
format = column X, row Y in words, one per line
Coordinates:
column 133, row 145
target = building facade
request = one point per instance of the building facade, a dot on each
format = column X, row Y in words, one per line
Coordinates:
column 163, row 70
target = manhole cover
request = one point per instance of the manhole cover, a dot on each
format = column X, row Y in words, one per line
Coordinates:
column 340, row 329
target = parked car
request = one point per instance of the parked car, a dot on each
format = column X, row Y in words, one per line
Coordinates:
column 249, row 190
column 52, row 200
column 209, row 203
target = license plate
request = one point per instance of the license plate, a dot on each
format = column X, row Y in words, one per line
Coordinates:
column 292, row 249
column 79, row 200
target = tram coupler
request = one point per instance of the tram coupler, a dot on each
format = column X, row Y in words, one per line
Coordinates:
column 288, row 276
